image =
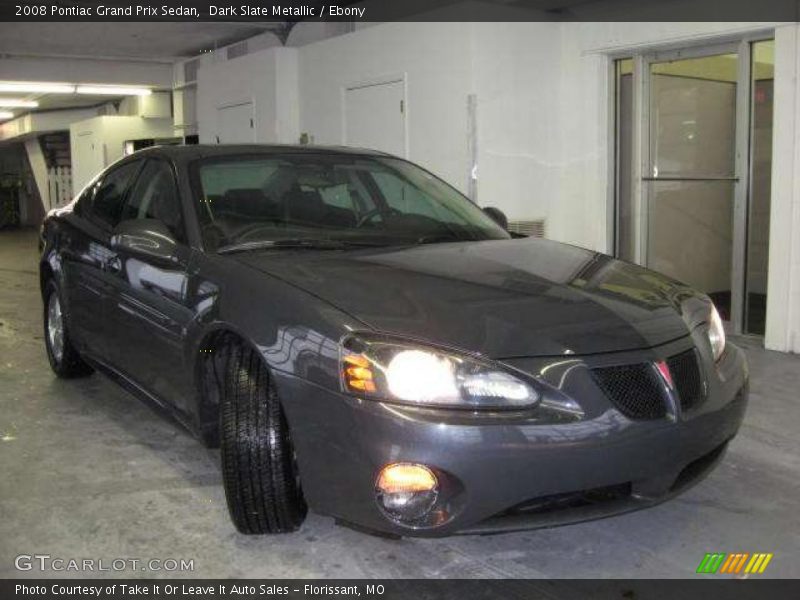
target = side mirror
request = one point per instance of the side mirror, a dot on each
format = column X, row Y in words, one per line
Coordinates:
column 148, row 238
column 497, row 215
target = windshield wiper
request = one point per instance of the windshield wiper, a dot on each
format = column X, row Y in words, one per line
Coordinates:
column 441, row 238
column 309, row 243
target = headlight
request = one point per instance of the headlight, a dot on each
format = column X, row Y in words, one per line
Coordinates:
column 716, row 333
column 386, row 368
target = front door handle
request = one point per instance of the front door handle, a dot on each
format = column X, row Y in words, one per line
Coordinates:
column 114, row 264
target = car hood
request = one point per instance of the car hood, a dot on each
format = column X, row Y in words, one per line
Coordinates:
column 502, row 298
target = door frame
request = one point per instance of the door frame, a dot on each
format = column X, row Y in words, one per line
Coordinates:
column 401, row 78
column 227, row 105
column 641, row 148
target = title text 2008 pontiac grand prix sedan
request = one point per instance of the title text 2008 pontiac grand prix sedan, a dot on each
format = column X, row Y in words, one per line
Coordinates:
column 361, row 339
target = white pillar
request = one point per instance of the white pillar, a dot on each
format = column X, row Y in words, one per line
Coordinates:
column 39, row 169
column 783, row 290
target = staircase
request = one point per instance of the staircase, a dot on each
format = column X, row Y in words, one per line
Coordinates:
column 56, row 151
column 55, row 147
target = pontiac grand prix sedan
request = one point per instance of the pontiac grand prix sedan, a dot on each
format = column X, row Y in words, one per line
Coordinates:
column 361, row 339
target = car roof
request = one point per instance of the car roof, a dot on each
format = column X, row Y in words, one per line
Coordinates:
column 197, row 151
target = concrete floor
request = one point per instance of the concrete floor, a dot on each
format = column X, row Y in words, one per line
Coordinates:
column 90, row 472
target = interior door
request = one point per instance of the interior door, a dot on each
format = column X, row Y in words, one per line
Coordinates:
column 375, row 117
column 151, row 308
column 88, row 159
column 690, row 177
column 236, row 124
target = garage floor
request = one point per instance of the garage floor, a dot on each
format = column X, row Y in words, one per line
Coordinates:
column 90, row 472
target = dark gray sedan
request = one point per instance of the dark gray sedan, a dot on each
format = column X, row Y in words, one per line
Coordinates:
column 361, row 339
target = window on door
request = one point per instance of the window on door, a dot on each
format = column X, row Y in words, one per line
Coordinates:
column 625, row 230
column 155, row 196
column 103, row 200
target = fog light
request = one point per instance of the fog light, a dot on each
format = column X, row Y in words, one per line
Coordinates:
column 406, row 492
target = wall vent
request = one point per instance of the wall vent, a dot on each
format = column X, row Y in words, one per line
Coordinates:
column 190, row 70
column 534, row 228
column 236, row 50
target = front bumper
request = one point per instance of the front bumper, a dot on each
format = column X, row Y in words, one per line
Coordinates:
column 510, row 473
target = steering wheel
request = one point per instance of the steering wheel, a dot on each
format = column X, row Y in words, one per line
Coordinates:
column 371, row 214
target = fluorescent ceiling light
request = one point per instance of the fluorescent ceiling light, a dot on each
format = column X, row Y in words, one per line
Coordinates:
column 17, row 103
column 36, row 88
column 4, row 114
column 113, row 90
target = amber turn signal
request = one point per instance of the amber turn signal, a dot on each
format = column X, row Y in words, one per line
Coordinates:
column 358, row 373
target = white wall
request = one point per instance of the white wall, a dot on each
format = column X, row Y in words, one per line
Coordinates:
column 783, row 291
column 434, row 59
column 267, row 78
column 98, row 142
column 514, row 76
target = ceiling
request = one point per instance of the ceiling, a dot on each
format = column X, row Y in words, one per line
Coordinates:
column 56, row 101
column 162, row 41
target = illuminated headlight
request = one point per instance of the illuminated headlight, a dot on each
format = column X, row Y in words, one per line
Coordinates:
column 716, row 333
column 386, row 368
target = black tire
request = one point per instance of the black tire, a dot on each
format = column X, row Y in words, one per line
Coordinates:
column 64, row 359
column 259, row 470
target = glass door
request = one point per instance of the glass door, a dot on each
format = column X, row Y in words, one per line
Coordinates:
column 690, row 174
column 762, row 77
column 693, row 160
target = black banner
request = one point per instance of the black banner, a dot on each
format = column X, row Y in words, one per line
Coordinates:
column 393, row 10
column 418, row 589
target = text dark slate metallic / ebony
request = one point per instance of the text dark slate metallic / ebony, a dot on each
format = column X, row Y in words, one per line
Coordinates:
column 363, row 341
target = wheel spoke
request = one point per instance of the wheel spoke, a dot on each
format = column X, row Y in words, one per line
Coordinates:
column 55, row 327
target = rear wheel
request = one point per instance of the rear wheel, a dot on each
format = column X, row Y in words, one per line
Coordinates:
column 64, row 358
column 262, row 483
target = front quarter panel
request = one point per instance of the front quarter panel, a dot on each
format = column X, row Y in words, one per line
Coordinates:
column 297, row 333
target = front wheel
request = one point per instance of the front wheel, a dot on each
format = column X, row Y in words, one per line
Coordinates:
column 262, row 484
column 64, row 359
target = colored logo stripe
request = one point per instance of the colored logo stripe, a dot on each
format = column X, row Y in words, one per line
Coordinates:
column 710, row 563
column 758, row 563
column 734, row 563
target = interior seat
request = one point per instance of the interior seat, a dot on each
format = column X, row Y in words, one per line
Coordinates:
column 308, row 208
column 239, row 207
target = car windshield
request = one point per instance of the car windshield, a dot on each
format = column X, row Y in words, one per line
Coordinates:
column 248, row 201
